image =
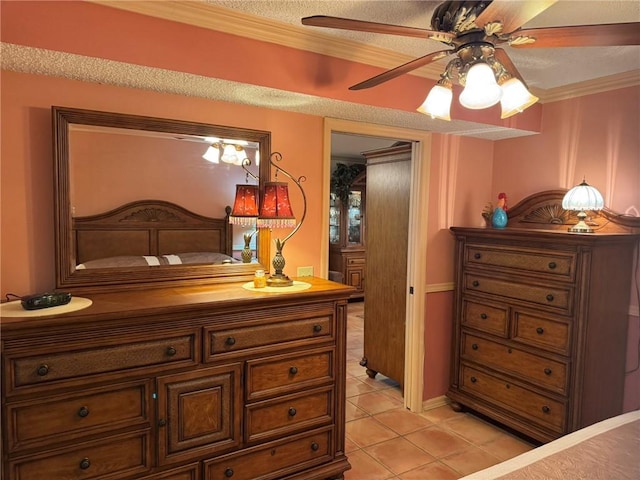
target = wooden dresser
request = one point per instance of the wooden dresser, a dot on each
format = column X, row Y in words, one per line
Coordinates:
column 541, row 319
column 189, row 383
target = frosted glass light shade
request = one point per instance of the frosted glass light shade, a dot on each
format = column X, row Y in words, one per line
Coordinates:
column 438, row 103
column 580, row 198
column 212, row 154
column 515, row 98
column 233, row 154
column 481, row 89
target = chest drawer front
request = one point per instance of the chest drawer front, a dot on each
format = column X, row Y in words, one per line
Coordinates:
column 311, row 330
column 485, row 317
column 355, row 260
column 275, row 461
column 124, row 456
column 561, row 265
column 542, row 332
column 552, row 297
column 181, row 350
column 532, row 368
column 286, row 373
column 286, row 415
column 543, row 410
column 65, row 418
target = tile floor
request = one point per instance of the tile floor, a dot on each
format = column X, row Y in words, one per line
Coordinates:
column 385, row 441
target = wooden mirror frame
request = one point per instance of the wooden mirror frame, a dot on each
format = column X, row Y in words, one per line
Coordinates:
column 69, row 278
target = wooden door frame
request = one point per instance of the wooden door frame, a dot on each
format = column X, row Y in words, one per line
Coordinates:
column 416, row 249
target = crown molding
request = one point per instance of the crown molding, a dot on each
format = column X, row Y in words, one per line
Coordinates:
column 213, row 17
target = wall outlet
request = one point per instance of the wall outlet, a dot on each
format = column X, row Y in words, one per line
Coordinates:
column 305, row 271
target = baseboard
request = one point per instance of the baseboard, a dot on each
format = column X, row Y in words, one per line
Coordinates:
column 436, row 402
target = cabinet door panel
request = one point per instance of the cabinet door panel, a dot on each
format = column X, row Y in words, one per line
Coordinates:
column 199, row 413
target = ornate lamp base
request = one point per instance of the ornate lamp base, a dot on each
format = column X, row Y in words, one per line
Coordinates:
column 279, row 280
column 581, row 226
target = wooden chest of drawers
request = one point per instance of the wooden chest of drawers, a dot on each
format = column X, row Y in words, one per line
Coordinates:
column 540, row 330
column 181, row 384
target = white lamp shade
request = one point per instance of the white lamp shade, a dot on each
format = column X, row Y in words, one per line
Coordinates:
column 438, row 103
column 481, row 89
column 212, row 154
column 583, row 197
column 515, row 98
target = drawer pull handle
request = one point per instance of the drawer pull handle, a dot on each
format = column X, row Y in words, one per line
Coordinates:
column 85, row 463
column 83, row 412
column 474, row 346
column 42, row 370
column 546, row 409
column 477, row 256
column 228, row 472
column 315, row 446
column 539, row 330
column 292, row 412
column 552, row 265
column 293, row 370
column 171, row 351
column 550, row 297
column 475, row 283
column 230, row 341
column 474, row 379
column 547, row 371
column 483, row 316
column 162, row 422
column 317, row 328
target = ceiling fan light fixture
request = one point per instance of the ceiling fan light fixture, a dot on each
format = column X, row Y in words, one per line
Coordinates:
column 438, row 102
column 481, row 89
column 515, row 98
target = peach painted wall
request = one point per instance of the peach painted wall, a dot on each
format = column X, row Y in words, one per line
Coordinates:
column 27, row 243
column 593, row 137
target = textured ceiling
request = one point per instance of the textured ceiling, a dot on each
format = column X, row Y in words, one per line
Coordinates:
column 541, row 68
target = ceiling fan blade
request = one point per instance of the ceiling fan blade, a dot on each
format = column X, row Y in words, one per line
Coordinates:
column 615, row 34
column 506, row 62
column 401, row 70
column 512, row 14
column 373, row 27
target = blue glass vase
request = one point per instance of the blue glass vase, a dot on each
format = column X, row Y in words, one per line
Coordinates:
column 499, row 218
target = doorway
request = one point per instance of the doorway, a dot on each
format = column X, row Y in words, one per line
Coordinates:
column 417, row 244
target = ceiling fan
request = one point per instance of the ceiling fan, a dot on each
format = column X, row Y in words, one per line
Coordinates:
column 475, row 31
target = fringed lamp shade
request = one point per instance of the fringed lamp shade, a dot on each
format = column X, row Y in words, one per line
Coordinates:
column 275, row 208
column 245, row 206
column 580, row 198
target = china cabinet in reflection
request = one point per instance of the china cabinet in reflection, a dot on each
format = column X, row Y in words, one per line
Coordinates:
column 347, row 235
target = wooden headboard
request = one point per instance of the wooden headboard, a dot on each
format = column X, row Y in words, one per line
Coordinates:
column 149, row 227
column 544, row 210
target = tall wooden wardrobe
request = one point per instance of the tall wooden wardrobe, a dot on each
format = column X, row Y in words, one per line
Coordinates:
column 387, row 235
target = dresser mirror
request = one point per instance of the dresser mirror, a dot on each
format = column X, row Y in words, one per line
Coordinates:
column 138, row 205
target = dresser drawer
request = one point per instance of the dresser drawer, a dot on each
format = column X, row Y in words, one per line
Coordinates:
column 287, row 373
column 68, row 417
column 542, row 409
column 355, row 260
column 532, row 368
column 188, row 472
column 559, row 265
column 554, row 298
column 275, row 460
column 75, row 363
column 485, row 317
column 285, row 415
column 542, row 332
column 268, row 336
column 123, row 456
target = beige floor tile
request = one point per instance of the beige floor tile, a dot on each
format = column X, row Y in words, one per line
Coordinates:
column 375, row 402
column 355, row 386
column 472, row 428
column 506, row 446
column 364, row 467
column 431, row 471
column 441, row 414
column 438, row 442
column 367, row 431
column 399, row 455
column 470, row 460
column 353, row 413
column 403, row 421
